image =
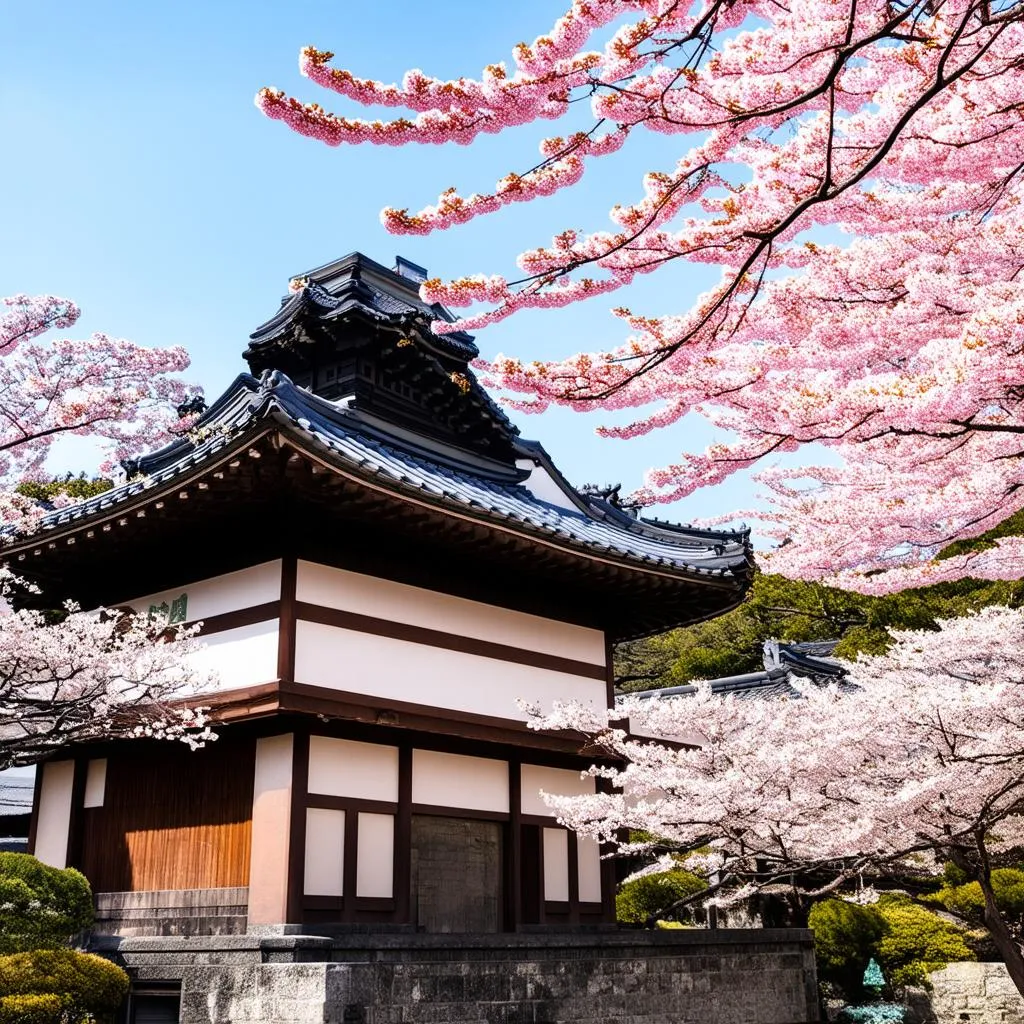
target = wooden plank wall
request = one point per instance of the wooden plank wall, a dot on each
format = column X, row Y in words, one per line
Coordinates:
column 172, row 818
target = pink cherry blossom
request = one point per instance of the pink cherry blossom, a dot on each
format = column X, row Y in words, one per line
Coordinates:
column 853, row 168
column 920, row 764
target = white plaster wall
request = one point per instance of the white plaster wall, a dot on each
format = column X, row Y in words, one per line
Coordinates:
column 557, row 781
column 588, row 864
column 556, row 864
column 271, row 819
column 245, row 656
column 95, row 783
column 53, row 816
column 455, row 780
column 544, row 486
column 344, row 659
column 245, row 588
column 397, row 602
column 376, row 855
column 368, row 771
column 325, row 852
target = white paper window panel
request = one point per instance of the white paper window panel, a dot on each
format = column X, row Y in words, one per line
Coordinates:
column 246, row 588
column 556, row 781
column 588, row 864
column 455, row 780
column 95, row 783
column 238, row 657
column 367, row 771
column 376, row 851
column 556, row 864
column 400, row 670
column 415, row 606
column 54, row 813
column 325, row 852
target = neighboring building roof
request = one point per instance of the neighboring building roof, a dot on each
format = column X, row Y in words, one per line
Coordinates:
column 15, row 796
column 784, row 665
column 15, row 812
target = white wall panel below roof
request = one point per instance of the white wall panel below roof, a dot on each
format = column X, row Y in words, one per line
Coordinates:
column 245, row 656
column 414, row 606
column 557, row 781
column 556, row 864
column 325, row 852
column 345, row 659
column 588, row 864
column 368, row 771
column 53, row 815
column 95, row 782
column 455, row 780
column 246, row 588
column 375, row 867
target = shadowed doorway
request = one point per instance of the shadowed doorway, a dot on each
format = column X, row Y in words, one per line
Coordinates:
column 456, row 874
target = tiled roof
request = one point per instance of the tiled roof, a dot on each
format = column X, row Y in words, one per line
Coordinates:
column 787, row 668
column 438, row 473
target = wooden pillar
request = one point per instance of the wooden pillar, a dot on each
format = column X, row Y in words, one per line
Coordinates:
column 269, row 869
column 297, row 827
column 514, row 856
column 403, row 839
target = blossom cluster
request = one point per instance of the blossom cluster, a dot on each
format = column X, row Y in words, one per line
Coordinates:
column 94, row 676
column 854, row 169
column 103, row 387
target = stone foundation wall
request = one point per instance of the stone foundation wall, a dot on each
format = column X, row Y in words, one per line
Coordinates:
column 172, row 912
column 968, row 993
column 683, row 977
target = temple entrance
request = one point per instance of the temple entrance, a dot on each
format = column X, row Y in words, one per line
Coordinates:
column 456, row 874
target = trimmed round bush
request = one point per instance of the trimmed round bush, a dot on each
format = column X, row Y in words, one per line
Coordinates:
column 846, row 937
column 917, row 942
column 649, row 897
column 40, row 907
column 61, row 986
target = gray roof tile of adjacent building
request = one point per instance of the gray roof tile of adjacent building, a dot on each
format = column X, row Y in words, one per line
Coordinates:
column 785, row 665
column 443, row 474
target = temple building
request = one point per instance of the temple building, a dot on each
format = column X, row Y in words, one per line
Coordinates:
column 384, row 570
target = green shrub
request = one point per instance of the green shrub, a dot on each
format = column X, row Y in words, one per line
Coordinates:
column 846, row 937
column 965, row 899
column 61, row 986
column 45, row 1009
column 917, row 942
column 40, row 907
column 651, row 895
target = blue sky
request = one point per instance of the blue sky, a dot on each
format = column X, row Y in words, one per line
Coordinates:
column 141, row 181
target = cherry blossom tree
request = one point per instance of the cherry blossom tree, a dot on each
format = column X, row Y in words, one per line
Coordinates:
column 854, row 168
column 918, row 762
column 93, row 677
column 78, row 677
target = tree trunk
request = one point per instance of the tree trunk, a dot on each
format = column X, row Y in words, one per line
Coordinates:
column 993, row 918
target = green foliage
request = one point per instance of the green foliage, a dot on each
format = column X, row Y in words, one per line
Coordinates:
column 917, row 942
column 651, row 895
column 59, row 986
column 796, row 611
column 31, row 1009
column 965, row 899
column 40, row 907
column 846, row 937
column 908, row 941
column 79, row 487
